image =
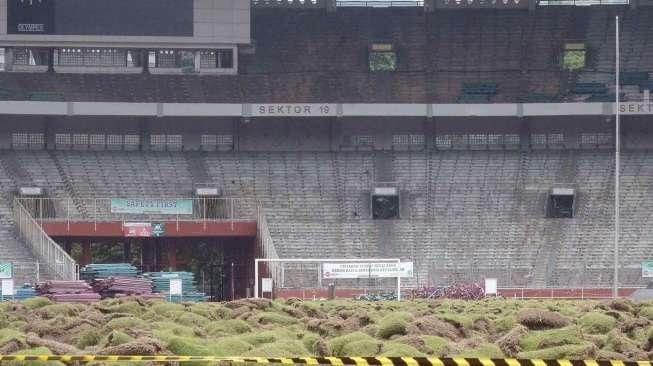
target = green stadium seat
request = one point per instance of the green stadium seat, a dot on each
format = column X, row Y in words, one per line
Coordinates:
column 590, row 88
column 634, row 78
column 45, row 96
column 487, row 88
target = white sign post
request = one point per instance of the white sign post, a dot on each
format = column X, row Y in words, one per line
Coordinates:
column 491, row 286
column 176, row 288
column 8, row 288
column 266, row 285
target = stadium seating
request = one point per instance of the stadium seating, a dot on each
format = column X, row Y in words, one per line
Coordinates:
column 465, row 214
column 313, row 57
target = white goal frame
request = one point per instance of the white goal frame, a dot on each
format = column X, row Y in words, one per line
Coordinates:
column 314, row 260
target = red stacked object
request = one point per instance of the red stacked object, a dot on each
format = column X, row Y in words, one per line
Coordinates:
column 125, row 286
column 67, row 291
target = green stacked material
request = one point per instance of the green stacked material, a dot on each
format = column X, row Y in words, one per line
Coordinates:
column 99, row 271
column 23, row 293
column 161, row 284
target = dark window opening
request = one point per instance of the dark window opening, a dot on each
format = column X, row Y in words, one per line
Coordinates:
column 560, row 206
column 385, row 207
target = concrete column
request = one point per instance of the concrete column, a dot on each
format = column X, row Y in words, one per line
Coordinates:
column 87, row 254
column 330, row 5
column 9, row 59
column 145, row 131
column 172, row 255
column 429, row 133
column 197, row 61
column 49, row 131
column 429, row 6
column 525, row 134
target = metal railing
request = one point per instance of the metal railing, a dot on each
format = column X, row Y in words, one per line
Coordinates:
column 379, row 4
column 582, row 2
column 268, row 251
column 49, row 253
column 100, row 210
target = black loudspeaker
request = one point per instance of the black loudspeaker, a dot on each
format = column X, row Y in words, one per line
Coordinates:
column 560, row 203
column 385, row 203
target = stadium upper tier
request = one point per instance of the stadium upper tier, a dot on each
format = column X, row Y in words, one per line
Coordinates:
column 448, row 57
column 465, row 215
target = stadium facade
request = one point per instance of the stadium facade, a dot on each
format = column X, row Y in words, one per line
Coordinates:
column 491, row 122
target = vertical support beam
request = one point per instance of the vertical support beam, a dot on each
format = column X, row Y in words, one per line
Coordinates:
column 256, row 262
column 172, row 255
column 127, row 251
column 235, row 130
column 144, row 131
column 525, row 134
column 617, row 148
column 87, row 254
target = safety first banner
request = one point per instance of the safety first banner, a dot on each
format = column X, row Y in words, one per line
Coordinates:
column 336, row 361
column 152, row 206
column 367, row 270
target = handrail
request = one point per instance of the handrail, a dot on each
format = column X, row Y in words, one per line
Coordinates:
column 100, row 209
column 60, row 264
column 379, row 3
column 268, row 250
column 582, row 2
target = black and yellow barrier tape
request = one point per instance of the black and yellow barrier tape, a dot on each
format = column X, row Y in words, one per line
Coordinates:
column 336, row 361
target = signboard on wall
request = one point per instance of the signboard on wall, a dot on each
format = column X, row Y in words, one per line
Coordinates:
column 636, row 108
column 176, row 286
column 647, row 269
column 8, row 287
column 158, row 229
column 367, row 270
column 137, row 229
column 6, row 270
column 294, row 110
column 266, row 285
column 491, row 286
column 30, row 16
column 152, row 206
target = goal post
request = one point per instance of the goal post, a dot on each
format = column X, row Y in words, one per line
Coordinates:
column 276, row 269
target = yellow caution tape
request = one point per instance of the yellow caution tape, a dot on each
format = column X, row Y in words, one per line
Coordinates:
column 335, row 361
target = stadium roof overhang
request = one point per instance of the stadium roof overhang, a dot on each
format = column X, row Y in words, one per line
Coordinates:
column 306, row 110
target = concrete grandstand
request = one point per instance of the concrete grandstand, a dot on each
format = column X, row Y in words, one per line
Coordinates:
column 475, row 123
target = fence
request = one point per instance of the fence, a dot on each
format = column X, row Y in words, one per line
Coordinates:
column 379, row 4
column 100, row 209
column 49, row 253
column 267, row 248
column 582, row 2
